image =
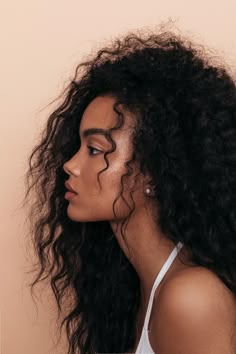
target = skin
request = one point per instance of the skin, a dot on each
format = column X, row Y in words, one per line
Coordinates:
column 195, row 313
column 149, row 247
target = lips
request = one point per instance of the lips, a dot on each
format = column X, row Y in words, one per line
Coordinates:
column 68, row 186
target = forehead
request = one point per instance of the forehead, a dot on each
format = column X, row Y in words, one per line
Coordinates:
column 100, row 114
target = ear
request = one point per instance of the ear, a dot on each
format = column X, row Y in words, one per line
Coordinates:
column 148, row 186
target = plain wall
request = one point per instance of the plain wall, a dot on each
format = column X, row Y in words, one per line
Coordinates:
column 41, row 43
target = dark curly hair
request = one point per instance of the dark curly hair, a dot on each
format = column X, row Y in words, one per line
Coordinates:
column 185, row 138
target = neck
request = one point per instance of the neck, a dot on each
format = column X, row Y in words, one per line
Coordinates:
column 148, row 248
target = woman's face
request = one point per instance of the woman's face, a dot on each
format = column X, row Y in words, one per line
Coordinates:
column 92, row 203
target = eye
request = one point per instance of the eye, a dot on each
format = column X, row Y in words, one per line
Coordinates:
column 93, row 151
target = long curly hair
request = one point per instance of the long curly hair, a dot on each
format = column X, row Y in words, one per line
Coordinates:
column 185, row 138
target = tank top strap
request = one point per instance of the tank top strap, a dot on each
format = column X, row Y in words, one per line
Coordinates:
column 159, row 278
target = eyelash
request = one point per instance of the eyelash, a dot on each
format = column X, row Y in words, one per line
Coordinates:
column 90, row 148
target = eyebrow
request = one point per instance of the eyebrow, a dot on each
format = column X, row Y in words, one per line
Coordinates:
column 93, row 131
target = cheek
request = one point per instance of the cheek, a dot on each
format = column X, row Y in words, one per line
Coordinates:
column 111, row 178
column 90, row 175
column 116, row 183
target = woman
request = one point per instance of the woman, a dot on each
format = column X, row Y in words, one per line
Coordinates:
column 135, row 218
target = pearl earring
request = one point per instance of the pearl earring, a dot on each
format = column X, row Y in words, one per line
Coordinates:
column 148, row 190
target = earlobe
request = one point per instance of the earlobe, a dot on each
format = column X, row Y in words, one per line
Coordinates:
column 149, row 191
column 149, row 186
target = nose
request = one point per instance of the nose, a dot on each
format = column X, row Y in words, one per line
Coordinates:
column 71, row 167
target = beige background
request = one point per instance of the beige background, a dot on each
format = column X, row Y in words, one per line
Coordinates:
column 41, row 43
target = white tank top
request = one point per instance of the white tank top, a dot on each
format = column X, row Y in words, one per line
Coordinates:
column 144, row 346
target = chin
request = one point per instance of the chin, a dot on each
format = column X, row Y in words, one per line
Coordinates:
column 76, row 216
column 73, row 214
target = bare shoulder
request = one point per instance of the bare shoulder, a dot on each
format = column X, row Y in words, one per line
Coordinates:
column 196, row 283
column 194, row 313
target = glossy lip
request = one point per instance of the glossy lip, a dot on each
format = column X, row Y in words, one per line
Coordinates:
column 68, row 186
column 70, row 195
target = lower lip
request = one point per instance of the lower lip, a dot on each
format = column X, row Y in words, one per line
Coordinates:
column 69, row 195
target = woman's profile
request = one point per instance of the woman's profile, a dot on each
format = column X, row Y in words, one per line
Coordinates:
column 134, row 219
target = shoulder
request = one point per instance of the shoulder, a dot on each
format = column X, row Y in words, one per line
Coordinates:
column 194, row 313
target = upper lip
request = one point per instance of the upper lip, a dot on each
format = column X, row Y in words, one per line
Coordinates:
column 68, row 186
